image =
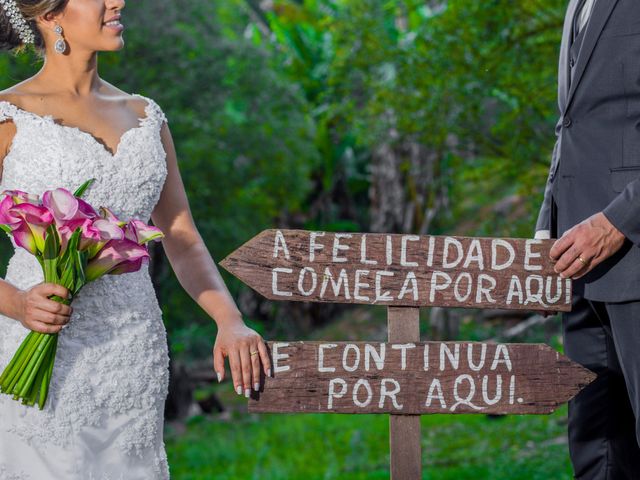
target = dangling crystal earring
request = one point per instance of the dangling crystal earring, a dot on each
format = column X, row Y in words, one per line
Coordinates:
column 60, row 45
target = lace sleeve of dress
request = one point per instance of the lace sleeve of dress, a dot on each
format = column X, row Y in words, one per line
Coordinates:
column 153, row 111
column 7, row 110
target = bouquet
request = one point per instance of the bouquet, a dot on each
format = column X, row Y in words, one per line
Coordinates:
column 74, row 245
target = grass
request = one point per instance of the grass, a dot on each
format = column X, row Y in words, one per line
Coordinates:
column 349, row 447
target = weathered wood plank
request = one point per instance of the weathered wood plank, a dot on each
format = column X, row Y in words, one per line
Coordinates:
column 401, row 270
column 417, row 378
column 403, row 325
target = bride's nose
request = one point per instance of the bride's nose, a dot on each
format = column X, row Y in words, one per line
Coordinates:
column 114, row 4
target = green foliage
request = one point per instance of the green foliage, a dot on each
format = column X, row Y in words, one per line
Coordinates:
column 243, row 136
column 472, row 81
column 278, row 112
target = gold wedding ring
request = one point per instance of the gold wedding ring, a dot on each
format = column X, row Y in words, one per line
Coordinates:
column 582, row 260
column 253, row 353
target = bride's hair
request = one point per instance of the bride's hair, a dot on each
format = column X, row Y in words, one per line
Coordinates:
column 30, row 9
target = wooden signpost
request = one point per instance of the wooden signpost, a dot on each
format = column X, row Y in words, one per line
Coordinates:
column 418, row 378
column 405, row 377
column 401, row 270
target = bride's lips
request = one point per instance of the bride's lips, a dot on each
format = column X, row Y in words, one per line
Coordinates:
column 114, row 24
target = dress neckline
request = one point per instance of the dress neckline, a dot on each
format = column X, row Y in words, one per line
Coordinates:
column 102, row 147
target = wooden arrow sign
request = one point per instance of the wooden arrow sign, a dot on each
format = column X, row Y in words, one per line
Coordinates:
column 417, row 378
column 401, row 270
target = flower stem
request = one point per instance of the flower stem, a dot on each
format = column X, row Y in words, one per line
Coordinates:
column 34, row 365
column 15, row 357
column 21, row 364
column 36, row 385
column 44, row 387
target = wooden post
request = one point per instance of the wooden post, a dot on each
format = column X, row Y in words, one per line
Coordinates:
column 403, row 325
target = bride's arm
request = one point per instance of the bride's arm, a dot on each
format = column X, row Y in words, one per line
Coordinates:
column 199, row 276
column 7, row 132
column 8, row 299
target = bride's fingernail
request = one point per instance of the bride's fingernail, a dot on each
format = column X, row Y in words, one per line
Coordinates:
column 268, row 372
column 247, row 392
column 239, row 390
column 219, row 376
column 256, row 386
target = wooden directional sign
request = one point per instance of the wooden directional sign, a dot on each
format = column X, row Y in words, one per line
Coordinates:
column 417, row 378
column 401, row 270
column 405, row 377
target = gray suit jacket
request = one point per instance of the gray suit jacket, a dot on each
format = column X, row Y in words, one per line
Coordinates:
column 595, row 164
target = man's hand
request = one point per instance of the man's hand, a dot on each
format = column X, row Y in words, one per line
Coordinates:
column 594, row 240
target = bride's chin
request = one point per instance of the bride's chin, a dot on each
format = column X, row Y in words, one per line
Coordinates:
column 114, row 47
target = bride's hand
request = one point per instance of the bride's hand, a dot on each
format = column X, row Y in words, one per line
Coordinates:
column 37, row 312
column 237, row 341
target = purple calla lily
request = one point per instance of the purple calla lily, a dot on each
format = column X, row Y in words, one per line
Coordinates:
column 130, row 266
column 62, row 204
column 102, row 231
column 117, row 256
column 23, row 236
column 87, row 210
column 66, row 230
column 36, row 218
column 109, row 215
column 19, row 196
column 66, row 207
column 8, row 218
column 139, row 232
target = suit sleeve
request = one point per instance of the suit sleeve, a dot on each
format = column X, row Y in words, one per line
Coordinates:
column 624, row 211
column 543, row 221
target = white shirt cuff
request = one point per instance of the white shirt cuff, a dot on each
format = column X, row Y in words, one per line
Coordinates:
column 543, row 234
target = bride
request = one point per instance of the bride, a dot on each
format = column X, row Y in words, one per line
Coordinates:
column 103, row 417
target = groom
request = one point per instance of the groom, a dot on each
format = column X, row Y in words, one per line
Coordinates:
column 592, row 205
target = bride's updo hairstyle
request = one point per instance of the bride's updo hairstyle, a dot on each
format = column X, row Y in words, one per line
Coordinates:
column 30, row 9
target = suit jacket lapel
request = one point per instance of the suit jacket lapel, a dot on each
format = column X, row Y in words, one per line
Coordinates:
column 563, row 66
column 599, row 16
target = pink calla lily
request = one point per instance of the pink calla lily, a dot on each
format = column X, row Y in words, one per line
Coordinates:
column 19, row 196
column 62, row 204
column 36, row 218
column 87, row 210
column 65, row 230
column 23, row 236
column 108, row 229
column 117, row 256
column 6, row 217
column 130, row 266
column 139, row 232
column 65, row 206
column 109, row 215
column 104, row 230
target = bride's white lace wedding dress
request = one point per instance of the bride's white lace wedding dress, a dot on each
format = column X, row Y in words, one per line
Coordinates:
column 103, row 418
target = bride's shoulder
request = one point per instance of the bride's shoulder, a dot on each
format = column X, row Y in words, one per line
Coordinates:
column 7, row 95
column 11, row 98
column 7, row 127
column 144, row 106
column 22, row 95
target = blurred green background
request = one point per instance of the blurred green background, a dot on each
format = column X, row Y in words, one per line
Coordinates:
column 346, row 115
